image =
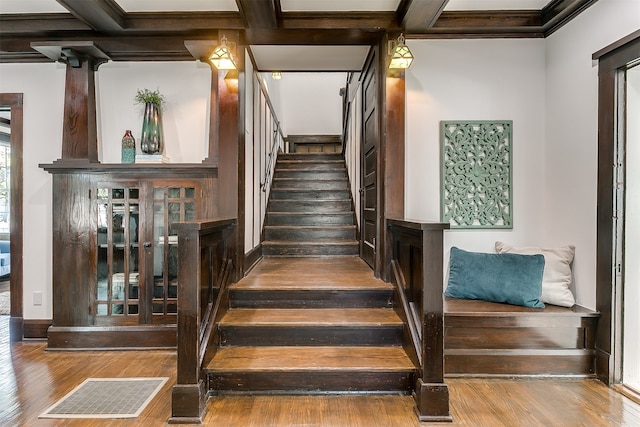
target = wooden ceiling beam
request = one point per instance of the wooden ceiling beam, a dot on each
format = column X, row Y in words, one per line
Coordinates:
column 559, row 12
column 40, row 23
column 182, row 22
column 464, row 24
column 100, row 15
column 352, row 20
column 259, row 14
column 335, row 37
column 420, row 15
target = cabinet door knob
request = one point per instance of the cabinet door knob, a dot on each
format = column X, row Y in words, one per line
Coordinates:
column 146, row 245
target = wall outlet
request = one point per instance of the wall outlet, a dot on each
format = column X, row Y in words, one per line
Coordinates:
column 37, row 298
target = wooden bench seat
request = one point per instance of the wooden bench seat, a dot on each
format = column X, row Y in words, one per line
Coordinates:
column 489, row 339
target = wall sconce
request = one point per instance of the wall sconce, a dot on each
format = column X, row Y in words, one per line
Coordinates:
column 276, row 75
column 221, row 56
column 401, row 56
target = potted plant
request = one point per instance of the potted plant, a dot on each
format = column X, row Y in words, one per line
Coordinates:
column 151, row 139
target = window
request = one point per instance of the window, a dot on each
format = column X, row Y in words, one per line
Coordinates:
column 5, row 169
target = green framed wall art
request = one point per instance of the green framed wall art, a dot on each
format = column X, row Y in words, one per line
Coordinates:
column 476, row 173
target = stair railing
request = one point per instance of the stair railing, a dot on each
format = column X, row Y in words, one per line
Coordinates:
column 276, row 146
column 417, row 272
column 205, row 270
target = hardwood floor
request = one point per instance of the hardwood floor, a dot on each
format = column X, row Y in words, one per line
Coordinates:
column 32, row 379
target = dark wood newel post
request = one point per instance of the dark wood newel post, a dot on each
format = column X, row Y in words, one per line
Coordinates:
column 432, row 394
column 189, row 393
column 416, row 252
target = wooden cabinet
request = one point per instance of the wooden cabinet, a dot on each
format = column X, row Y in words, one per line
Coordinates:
column 136, row 249
column 115, row 253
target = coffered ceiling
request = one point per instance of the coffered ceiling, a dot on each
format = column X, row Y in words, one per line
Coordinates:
column 295, row 32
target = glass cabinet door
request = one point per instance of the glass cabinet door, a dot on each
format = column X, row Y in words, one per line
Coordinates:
column 117, row 291
column 170, row 204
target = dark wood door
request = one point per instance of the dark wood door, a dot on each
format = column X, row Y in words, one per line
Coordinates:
column 370, row 142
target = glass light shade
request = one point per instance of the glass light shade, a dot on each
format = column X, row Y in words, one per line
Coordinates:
column 402, row 56
column 276, row 75
column 222, row 58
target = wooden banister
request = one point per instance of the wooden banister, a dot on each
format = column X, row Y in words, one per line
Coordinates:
column 417, row 272
column 205, row 265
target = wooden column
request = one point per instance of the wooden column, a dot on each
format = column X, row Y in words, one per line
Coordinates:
column 79, row 131
column 230, row 144
column 394, row 142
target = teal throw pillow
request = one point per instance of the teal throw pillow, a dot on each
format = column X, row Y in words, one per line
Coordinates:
column 505, row 278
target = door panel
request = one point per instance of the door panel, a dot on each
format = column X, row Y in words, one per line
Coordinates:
column 370, row 142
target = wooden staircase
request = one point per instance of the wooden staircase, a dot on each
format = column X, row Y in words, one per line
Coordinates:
column 310, row 325
column 310, row 211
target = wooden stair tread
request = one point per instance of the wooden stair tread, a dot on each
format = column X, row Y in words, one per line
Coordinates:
column 316, row 243
column 310, row 213
column 311, row 317
column 288, row 179
column 314, row 227
column 477, row 308
column 339, row 273
column 309, row 200
column 304, row 358
column 320, row 283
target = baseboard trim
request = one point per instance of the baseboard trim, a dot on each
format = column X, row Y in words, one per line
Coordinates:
column 36, row 328
column 252, row 257
column 112, row 337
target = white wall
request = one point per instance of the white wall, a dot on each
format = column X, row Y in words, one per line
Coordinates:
column 310, row 103
column 549, row 89
column 477, row 80
column 185, row 119
column 186, row 86
column 43, row 88
column 572, row 131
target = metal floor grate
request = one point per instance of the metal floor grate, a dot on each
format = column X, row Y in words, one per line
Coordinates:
column 107, row 398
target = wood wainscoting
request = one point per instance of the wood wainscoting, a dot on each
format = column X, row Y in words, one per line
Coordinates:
column 489, row 339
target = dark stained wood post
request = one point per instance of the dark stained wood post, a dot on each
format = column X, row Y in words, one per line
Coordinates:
column 226, row 132
column 189, row 393
column 79, row 131
column 432, row 394
column 230, row 144
column 16, row 322
column 417, row 266
column 394, row 149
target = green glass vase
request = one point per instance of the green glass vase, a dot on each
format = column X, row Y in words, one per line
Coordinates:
column 151, row 139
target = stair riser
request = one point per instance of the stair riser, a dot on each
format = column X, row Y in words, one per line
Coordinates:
column 310, row 220
column 297, row 234
column 501, row 363
column 311, row 174
column 310, row 206
column 305, row 382
column 298, row 194
column 327, row 164
column 311, row 185
column 310, row 335
column 309, row 156
column 349, row 249
column 310, row 299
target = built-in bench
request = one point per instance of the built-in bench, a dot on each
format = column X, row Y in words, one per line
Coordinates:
column 488, row 339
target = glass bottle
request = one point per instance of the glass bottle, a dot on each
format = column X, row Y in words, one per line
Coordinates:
column 128, row 148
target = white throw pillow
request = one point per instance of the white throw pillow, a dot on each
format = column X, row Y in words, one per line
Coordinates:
column 557, row 271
